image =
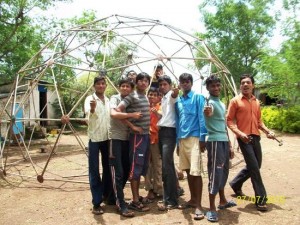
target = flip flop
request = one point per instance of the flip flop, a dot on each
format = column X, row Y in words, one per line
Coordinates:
column 212, row 216
column 229, row 204
column 138, row 206
column 199, row 215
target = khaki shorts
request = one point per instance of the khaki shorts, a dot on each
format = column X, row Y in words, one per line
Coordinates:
column 190, row 156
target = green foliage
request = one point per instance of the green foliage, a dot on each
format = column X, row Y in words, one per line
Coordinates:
column 282, row 119
column 21, row 35
column 76, row 89
column 237, row 32
column 280, row 71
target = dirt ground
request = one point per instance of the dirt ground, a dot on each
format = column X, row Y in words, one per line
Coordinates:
column 64, row 196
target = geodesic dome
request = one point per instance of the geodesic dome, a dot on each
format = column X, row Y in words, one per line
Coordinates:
column 115, row 44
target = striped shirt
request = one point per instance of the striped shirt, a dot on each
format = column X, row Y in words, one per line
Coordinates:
column 136, row 102
column 118, row 129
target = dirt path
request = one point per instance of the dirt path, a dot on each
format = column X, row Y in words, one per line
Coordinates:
column 26, row 201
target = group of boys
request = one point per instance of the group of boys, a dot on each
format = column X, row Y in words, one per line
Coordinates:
column 133, row 130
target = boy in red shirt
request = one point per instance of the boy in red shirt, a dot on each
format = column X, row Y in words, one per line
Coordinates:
column 153, row 179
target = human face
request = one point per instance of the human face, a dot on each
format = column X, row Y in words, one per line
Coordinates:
column 214, row 89
column 247, row 87
column 153, row 98
column 159, row 72
column 100, row 87
column 164, row 87
column 125, row 89
column 186, row 86
column 132, row 76
column 142, row 84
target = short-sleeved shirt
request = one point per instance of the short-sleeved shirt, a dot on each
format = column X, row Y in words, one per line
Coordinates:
column 168, row 118
column 99, row 121
column 216, row 124
column 189, row 116
column 118, row 130
column 136, row 102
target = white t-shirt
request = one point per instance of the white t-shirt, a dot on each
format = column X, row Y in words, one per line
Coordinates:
column 167, row 111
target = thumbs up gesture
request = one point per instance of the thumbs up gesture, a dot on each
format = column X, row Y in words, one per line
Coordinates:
column 175, row 91
column 93, row 104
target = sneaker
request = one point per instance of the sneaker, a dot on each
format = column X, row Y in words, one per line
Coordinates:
column 97, row 210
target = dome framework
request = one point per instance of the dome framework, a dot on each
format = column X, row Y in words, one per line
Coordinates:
column 114, row 44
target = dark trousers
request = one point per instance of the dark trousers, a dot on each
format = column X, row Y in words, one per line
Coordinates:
column 120, row 167
column 100, row 187
column 167, row 143
column 253, row 157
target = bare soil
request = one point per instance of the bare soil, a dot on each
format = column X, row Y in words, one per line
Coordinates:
column 64, row 197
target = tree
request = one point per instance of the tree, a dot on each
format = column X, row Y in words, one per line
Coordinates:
column 281, row 71
column 238, row 32
column 20, row 35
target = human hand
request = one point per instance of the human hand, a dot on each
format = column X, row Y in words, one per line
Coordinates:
column 137, row 130
column 93, row 104
column 175, row 91
column 207, row 110
column 136, row 115
column 245, row 138
column 271, row 135
column 202, row 146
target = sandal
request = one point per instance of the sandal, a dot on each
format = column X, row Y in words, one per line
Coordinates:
column 229, row 204
column 145, row 200
column 167, row 207
column 138, row 206
column 199, row 215
column 97, row 210
column 127, row 213
column 262, row 208
column 212, row 216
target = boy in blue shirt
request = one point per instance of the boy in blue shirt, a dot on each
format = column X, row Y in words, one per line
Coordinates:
column 191, row 131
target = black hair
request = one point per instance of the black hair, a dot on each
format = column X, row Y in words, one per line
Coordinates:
column 246, row 75
column 143, row 75
column 164, row 78
column 212, row 79
column 158, row 66
column 126, row 81
column 98, row 78
column 153, row 89
column 130, row 71
column 186, row 76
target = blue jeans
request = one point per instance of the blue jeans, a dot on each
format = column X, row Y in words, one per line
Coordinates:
column 100, row 187
column 120, row 167
column 253, row 157
column 167, row 143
